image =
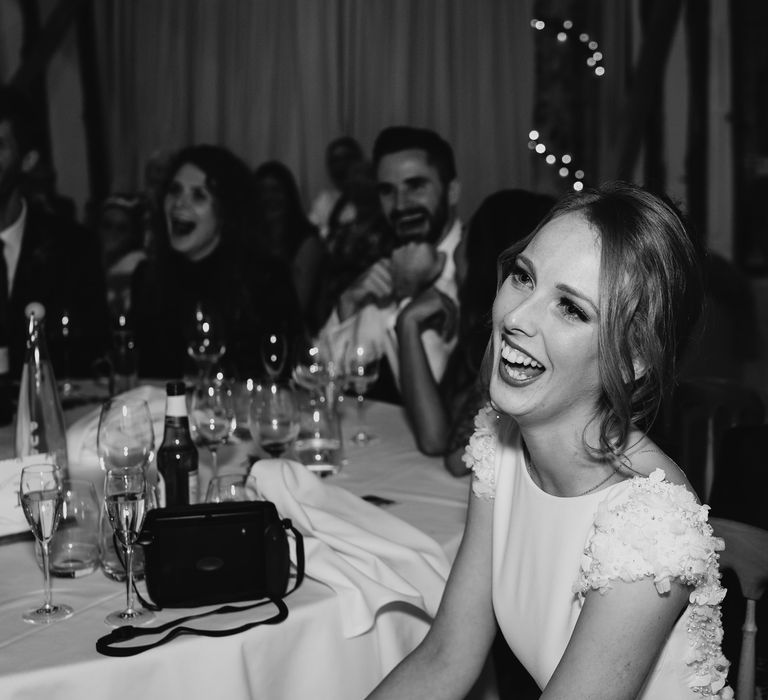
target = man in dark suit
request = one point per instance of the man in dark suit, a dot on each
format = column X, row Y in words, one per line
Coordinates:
column 45, row 257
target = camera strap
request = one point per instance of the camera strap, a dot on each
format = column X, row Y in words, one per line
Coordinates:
column 128, row 632
column 105, row 644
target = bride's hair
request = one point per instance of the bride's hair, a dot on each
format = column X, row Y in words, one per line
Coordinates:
column 650, row 299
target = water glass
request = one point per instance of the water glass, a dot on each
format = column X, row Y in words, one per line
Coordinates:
column 319, row 444
column 75, row 544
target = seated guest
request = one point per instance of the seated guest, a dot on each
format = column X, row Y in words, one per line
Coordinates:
column 45, row 257
column 442, row 414
column 419, row 191
column 120, row 227
column 583, row 539
column 284, row 231
column 200, row 260
column 344, row 160
column 358, row 236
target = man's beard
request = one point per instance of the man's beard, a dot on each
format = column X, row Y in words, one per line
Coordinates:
column 418, row 224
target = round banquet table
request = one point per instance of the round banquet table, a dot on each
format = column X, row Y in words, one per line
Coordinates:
column 305, row 656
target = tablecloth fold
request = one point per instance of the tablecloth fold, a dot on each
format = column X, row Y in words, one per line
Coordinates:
column 369, row 557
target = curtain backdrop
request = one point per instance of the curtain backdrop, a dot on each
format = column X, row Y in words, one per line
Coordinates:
column 280, row 78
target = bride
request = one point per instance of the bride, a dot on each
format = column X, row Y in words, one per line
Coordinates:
column 584, row 541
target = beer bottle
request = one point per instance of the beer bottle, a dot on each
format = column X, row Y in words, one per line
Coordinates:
column 178, row 480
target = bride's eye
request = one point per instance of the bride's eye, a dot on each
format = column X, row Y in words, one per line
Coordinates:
column 519, row 277
column 572, row 310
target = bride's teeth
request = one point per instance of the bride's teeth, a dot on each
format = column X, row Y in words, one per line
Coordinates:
column 516, row 357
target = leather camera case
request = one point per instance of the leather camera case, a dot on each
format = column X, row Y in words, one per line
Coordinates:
column 215, row 553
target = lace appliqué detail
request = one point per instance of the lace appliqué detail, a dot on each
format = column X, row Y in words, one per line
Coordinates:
column 661, row 531
column 480, row 453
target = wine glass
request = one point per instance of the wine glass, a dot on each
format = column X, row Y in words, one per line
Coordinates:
column 274, row 418
column 229, row 487
column 314, row 369
column 125, row 497
column 41, row 498
column 213, row 413
column 126, row 438
column 274, row 351
column 362, row 370
column 205, row 338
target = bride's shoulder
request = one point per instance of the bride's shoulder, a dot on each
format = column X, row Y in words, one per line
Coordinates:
column 647, row 458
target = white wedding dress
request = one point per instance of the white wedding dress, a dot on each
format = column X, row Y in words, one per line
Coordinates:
column 549, row 551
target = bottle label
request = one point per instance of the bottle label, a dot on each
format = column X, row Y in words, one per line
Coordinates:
column 176, row 406
column 194, row 487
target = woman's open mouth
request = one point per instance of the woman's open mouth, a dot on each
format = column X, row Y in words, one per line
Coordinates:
column 181, row 227
column 517, row 366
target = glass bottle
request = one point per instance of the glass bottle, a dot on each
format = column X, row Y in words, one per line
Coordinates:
column 177, row 473
column 39, row 418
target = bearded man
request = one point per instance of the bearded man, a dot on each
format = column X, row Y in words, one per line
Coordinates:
column 419, row 191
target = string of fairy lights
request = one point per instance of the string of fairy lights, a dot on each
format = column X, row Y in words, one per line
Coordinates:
column 564, row 31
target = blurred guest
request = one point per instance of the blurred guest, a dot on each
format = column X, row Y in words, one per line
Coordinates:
column 359, row 236
column 45, row 257
column 155, row 175
column 282, row 228
column 200, row 260
column 442, row 414
column 344, row 159
column 418, row 190
column 122, row 240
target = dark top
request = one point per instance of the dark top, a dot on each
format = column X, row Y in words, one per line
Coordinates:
column 60, row 266
column 250, row 294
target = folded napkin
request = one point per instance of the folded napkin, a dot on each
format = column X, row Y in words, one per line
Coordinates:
column 367, row 556
column 81, row 435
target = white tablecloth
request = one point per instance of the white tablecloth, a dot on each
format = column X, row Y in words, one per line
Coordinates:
column 306, row 656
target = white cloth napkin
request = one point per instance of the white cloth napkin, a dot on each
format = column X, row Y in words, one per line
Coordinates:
column 81, row 435
column 367, row 556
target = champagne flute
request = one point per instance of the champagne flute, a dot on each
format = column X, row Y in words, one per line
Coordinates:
column 41, row 498
column 362, row 365
column 125, row 497
column 213, row 414
column 274, row 418
column 125, row 438
column 274, row 350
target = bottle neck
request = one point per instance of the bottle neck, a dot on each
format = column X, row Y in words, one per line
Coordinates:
column 176, row 407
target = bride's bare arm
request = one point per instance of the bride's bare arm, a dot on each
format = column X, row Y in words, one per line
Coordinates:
column 446, row 664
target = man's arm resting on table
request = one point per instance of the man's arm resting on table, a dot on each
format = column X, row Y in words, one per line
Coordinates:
column 449, row 660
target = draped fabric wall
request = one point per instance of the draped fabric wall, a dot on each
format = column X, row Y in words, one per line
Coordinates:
column 280, row 78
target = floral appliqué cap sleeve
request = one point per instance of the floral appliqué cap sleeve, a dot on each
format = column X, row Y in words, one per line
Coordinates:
column 660, row 531
column 480, row 453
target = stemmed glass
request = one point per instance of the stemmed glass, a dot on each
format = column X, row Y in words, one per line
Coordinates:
column 125, row 497
column 213, row 414
column 274, row 351
column 229, row 487
column 274, row 418
column 41, row 497
column 362, row 362
column 314, row 369
column 126, row 438
column 205, row 339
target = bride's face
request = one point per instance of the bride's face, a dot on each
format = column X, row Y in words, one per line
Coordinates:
column 545, row 327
